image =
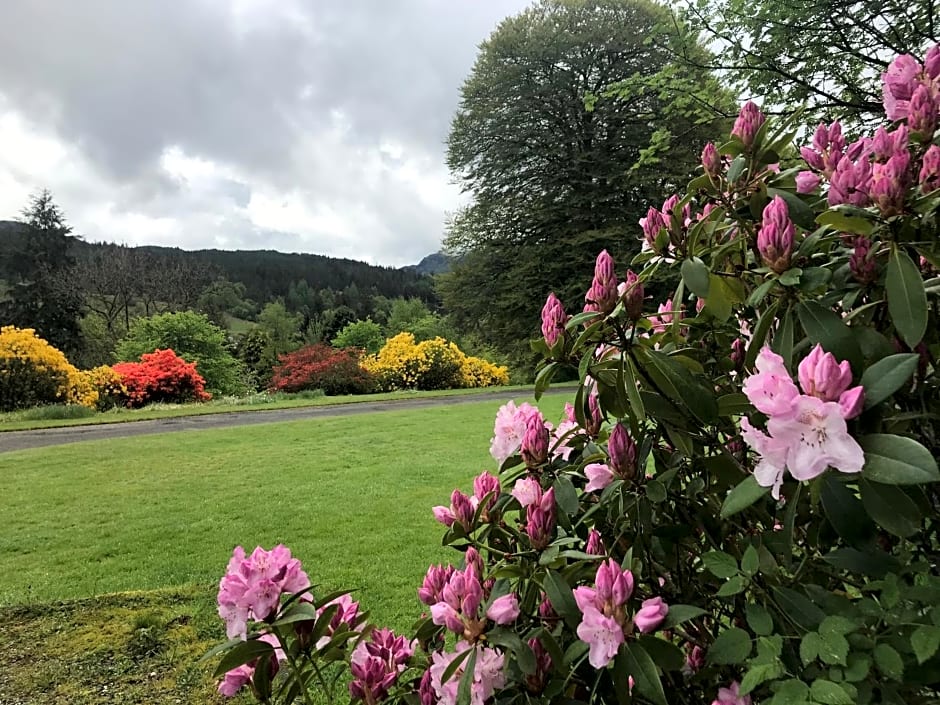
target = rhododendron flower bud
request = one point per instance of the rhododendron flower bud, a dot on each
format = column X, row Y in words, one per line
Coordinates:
column 929, row 176
column 738, row 352
column 652, row 224
column 622, row 452
column 614, row 586
column 602, row 296
column 711, row 161
column 694, row 661
column 859, row 148
column 889, row 183
column 535, row 682
column 461, row 510
column 594, row 418
column 922, row 118
column 822, row 376
column 595, row 544
column 775, row 238
column 426, row 690
column 899, row 82
column 861, row 264
column 631, row 293
column 747, row 124
column 651, row 615
column 540, row 520
column 504, row 610
column 535, row 443
column 807, row 182
column 553, row 320
column 485, row 486
column 886, row 144
column 852, row 401
column 434, row 581
column 473, row 561
column 547, row 612
column 850, row 182
column 731, row 696
column 932, row 62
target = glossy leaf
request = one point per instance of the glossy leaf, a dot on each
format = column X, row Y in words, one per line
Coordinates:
column 907, row 299
column 897, row 460
column 887, row 376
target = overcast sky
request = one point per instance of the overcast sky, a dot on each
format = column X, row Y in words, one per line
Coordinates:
column 295, row 125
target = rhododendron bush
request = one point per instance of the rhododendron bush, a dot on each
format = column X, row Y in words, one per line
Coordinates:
column 160, row 376
column 322, row 367
column 740, row 503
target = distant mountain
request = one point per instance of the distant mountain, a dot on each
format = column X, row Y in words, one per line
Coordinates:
column 266, row 274
column 436, row 263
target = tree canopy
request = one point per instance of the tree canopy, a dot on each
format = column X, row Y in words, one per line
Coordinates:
column 559, row 165
column 824, row 57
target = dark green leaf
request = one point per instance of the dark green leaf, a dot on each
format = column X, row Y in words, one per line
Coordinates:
column 871, row 562
column 827, row 328
column 679, row 614
column 844, row 510
column 907, row 299
column 561, row 597
column 829, row 693
column 891, row 508
column 759, row 336
column 743, row 496
column 720, row 564
column 760, row 673
column 759, row 620
column 666, row 655
column 732, row 646
column 809, row 647
column 750, row 561
column 246, row 652
column 845, row 223
column 734, row 405
column 925, row 641
column 638, row 664
column 797, row 607
column 887, row 376
column 566, row 497
column 733, row 586
column 736, row 168
column 695, row 276
column 889, row 662
column 464, row 690
column 897, row 460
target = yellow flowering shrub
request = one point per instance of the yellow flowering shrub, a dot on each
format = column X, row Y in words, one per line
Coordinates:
column 430, row 364
column 477, row 372
column 32, row 372
column 107, row 386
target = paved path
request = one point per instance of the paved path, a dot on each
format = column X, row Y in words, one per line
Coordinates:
column 22, row 440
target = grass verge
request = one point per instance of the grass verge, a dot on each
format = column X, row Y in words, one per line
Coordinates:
column 160, row 514
column 31, row 419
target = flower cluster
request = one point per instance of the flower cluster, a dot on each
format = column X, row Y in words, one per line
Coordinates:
column 807, row 432
column 463, row 508
column 161, row 376
column 321, row 367
column 604, row 623
column 431, row 364
column 376, row 665
column 33, row 372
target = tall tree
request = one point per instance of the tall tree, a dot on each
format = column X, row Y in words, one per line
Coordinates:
column 822, row 56
column 573, row 121
column 43, row 294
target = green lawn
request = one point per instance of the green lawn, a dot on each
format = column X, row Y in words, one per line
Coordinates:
column 352, row 497
column 26, row 420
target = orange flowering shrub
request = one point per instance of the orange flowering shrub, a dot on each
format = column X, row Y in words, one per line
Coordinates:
column 33, row 372
column 430, row 364
column 161, row 376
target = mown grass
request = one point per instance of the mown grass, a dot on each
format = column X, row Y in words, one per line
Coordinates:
column 54, row 417
column 352, row 497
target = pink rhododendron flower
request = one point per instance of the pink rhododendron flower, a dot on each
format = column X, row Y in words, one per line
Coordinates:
column 434, row 581
column 694, row 661
column 731, row 696
column 850, row 182
column 771, row 390
column 773, row 454
column 504, row 610
column 461, row 511
column 651, row 615
column 527, row 491
column 929, row 176
column 560, row 446
column 599, row 475
column 889, row 182
column 602, row 296
column 235, row 680
column 603, row 634
column 665, row 318
column 822, row 376
column 375, row 665
column 485, row 487
column 807, row 182
column 817, row 438
column 509, row 429
column 488, row 674
column 747, row 124
column 775, row 237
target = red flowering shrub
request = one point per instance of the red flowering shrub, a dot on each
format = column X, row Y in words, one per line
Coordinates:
column 322, row 367
column 161, row 376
